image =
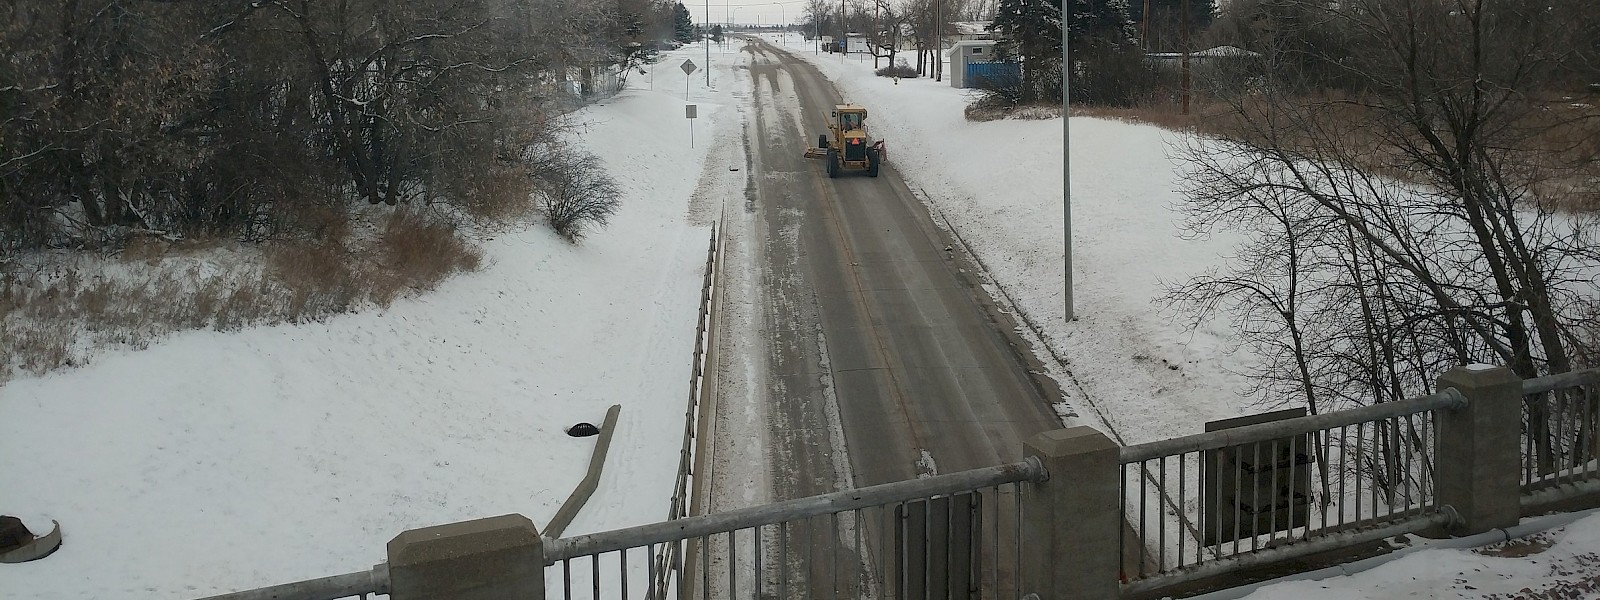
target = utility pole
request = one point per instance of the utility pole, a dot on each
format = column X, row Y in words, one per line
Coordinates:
column 1185, row 18
column 1144, row 26
column 707, row 42
column 938, row 39
column 1066, row 153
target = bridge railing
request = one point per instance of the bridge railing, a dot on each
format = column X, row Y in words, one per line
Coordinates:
column 360, row 584
column 1080, row 518
column 1206, row 503
column 1560, row 438
column 915, row 538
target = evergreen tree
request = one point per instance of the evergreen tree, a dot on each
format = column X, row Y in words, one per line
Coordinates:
column 1107, row 65
column 1104, row 48
column 1030, row 31
column 1201, row 12
column 682, row 24
column 631, row 47
column 716, row 33
column 1101, row 22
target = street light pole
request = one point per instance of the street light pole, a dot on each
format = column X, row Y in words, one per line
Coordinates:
column 707, row 41
column 1066, row 154
column 938, row 40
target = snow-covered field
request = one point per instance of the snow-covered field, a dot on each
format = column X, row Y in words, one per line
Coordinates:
column 213, row 462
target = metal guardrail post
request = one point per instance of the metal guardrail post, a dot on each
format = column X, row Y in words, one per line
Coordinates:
column 1478, row 451
column 1070, row 521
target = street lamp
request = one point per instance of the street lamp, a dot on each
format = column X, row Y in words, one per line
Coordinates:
column 1066, row 153
column 706, row 42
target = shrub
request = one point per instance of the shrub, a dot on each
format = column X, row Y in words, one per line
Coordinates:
column 574, row 191
column 902, row 70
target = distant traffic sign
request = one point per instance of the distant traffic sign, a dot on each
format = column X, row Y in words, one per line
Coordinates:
column 688, row 67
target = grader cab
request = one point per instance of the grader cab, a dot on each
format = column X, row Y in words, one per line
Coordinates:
column 846, row 146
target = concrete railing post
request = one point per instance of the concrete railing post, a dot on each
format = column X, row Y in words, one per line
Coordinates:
column 1476, row 454
column 495, row 558
column 1071, row 529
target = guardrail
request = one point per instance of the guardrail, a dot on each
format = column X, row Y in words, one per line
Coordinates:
column 1276, row 488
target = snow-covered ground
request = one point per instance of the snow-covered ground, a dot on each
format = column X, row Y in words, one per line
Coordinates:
column 213, row 462
column 1562, row 563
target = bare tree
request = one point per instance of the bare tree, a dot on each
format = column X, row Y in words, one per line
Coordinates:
column 1405, row 224
column 930, row 24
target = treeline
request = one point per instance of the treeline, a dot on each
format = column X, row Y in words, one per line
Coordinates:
column 271, row 117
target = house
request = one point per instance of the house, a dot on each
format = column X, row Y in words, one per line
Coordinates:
column 1212, row 56
column 971, row 30
column 1220, row 65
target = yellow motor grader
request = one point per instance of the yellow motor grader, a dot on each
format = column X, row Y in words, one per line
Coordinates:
column 846, row 145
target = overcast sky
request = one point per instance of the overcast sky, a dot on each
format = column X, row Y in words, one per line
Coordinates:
column 747, row 12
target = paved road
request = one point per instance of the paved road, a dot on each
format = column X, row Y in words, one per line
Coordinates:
column 876, row 334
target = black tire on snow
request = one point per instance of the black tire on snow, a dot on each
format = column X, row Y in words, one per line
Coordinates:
column 822, row 140
column 833, row 164
column 872, row 163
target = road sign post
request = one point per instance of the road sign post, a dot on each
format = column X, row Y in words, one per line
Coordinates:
column 689, row 112
column 688, row 69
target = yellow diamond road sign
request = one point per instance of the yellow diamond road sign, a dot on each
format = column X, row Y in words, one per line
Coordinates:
column 688, row 67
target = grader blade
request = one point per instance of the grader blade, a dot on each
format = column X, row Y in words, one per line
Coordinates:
column 816, row 152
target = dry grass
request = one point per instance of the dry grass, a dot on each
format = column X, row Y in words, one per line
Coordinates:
column 1163, row 116
column 1557, row 141
column 56, row 309
column 991, row 111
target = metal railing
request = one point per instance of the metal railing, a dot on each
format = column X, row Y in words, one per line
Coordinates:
column 1560, row 444
column 916, row 538
column 1205, row 503
column 704, row 341
column 360, row 584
